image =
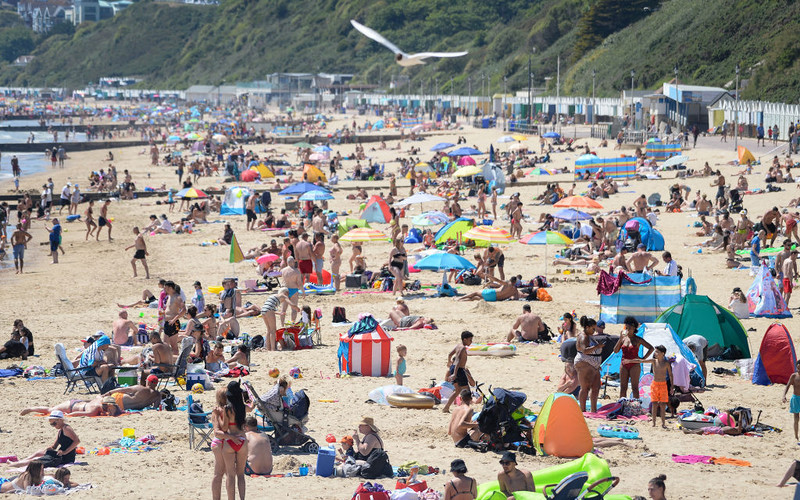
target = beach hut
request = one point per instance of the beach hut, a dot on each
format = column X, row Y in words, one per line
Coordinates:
column 234, row 201
column 365, row 349
column 453, row 230
column 776, row 358
column 313, row 174
column 560, row 428
column 764, row 300
column 699, row 315
column 376, row 210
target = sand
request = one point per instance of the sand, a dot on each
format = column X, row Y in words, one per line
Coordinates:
column 77, row 297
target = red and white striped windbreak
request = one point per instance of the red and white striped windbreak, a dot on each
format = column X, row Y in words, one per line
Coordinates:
column 368, row 354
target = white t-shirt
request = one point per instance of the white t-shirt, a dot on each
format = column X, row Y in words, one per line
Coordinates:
column 739, row 308
column 671, row 269
column 65, row 193
column 652, row 218
column 166, row 225
column 699, row 343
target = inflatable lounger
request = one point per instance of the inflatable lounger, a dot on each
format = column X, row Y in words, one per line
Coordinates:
column 492, row 349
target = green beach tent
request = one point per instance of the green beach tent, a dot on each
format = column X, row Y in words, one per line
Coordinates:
column 350, row 224
column 453, row 230
column 699, row 315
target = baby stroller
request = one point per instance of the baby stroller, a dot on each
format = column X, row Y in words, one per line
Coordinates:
column 287, row 423
column 505, row 429
column 735, row 205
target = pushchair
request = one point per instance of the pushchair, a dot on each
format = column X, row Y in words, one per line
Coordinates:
column 287, row 423
column 735, row 206
column 502, row 423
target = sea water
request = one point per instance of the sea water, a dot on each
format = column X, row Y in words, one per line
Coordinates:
column 29, row 163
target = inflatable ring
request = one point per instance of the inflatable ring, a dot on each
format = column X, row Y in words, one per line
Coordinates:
column 410, row 400
column 619, row 431
column 498, row 349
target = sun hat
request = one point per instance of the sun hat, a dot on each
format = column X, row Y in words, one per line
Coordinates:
column 370, row 422
column 458, row 465
column 508, row 457
column 56, row 415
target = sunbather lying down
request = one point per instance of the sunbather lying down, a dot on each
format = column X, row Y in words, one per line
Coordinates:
column 730, row 430
column 98, row 407
column 508, row 290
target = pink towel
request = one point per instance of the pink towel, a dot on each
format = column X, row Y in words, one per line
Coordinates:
column 691, row 459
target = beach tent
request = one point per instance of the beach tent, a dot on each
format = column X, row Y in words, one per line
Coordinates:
column 642, row 296
column 776, row 357
column 699, row 315
column 350, row 224
column 651, row 237
column 367, row 353
column 248, row 175
column 560, row 428
column 745, row 155
column 655, row 334
column 263, row 171
column 234, row 201
column 494, row 176
column 764, row 300
column 376, row 210
column 313, row 174
column 453, row 230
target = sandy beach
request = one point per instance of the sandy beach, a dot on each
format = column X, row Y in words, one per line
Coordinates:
column 77, row 297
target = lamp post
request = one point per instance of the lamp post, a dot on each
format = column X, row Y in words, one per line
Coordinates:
column 594, row 105
column 736, row 114
column 452, row 99
column 469, row 90
column 633, row 109
column 677, row 97
column 505, row 114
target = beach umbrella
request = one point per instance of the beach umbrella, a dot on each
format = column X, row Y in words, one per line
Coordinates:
column 315, row 195
column 322, row 149
column 571, row 214
column 674, row 161
column 363, row 234
column 267, row 257
column 431, row 218
column 442, row 145
column 519, row 147
column 587, row 157
column 464, row 151
column 302, row 187
column 577, row 202
column 443, row 262
column 192, row 137
column 466, row 160
column 488, row 233
column 653, row 140
column 303, row 145
column 551, row 135
column 190, row 193
column 174, row 138
column 539, row 171
column 519, row 137
column 219, row 138
column 418, row 198
column 317, row 157
column 468, row 171
column 504, row 139
column 545, row 238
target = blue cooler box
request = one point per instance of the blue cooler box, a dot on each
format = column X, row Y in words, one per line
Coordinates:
column 325, row 460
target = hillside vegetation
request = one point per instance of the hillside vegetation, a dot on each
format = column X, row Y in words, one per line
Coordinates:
column 175, row 46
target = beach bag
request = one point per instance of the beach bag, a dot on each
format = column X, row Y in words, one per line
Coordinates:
column 430, row 494
column 257, row 342
column 445, row 290
column 471, row 279
column 197, row 407
column 543, row 296
column 377, row 465
column 368, row 491
column 632, row 408
column 546, row 334
column 339, row 315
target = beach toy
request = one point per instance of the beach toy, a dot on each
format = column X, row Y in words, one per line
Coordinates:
column 304, row 470
column 215, row 289
column 410, row 400
column 274, row 372
column 129, row 433
column 330, row 438
column 104, row 451
column 620, row 431
column 295, row 373
column 80, row 450
column 492, row 349
column 141, row 314
column 197, row 388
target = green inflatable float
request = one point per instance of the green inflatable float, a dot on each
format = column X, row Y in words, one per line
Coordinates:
column 596, row 467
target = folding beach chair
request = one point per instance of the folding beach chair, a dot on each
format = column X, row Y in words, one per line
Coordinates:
column 178, row 369
column 200, row 425
column 76, row 377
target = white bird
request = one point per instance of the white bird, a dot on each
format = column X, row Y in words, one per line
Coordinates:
column 401, row 57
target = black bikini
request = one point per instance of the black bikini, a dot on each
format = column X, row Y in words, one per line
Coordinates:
column 469, row 491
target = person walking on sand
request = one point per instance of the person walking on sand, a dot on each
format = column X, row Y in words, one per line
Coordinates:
column 794, row 405
column 457, row 371
column 90, row 223
column 788, row 268
column 140, row 254
column 659, row 391
column 102, row 220
column 19, row 242
column 55, row 239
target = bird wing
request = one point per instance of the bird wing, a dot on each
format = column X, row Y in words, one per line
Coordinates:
column 371, row 33
column 425, row 55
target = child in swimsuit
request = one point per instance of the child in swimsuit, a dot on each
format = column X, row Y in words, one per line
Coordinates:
column 400, row 366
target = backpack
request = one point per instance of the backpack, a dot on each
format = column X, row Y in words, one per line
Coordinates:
column 339, row 315
column 257, row 342
column 547, row 334
column 543, row 295
column 168, row 400
column 377, row 465
column 197, row 407
column 471, row 279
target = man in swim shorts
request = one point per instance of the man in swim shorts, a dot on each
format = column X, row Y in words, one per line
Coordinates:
column 250, row 210
column 19, row 241
column 123, row 330
column 527, row 326
column 794, row 405
column 293, row 280
column 137, row 397
column 506, row 290
column 457, row 374
column 303, row 253
column 462, row 428
column 140, row 254
column 259, row 451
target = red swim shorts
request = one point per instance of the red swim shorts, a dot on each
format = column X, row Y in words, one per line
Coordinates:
column 787, row 285
column 306, row 266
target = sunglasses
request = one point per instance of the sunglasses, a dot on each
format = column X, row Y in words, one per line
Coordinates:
column 54, row 422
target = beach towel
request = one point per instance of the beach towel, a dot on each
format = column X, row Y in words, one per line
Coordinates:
column 730, row 461
column 11, row 372
column 691, row 459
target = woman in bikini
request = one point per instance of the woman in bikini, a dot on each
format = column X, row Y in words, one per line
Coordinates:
column 358, row 260
column 397, row 261
column 587, row 363
column 460, row 487
column 629, row 344
column 91, row 225
column 271, row 306
column 228, row 443
column 33, row 476
column 336, row 260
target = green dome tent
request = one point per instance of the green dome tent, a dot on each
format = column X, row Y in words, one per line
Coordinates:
column 699, row 315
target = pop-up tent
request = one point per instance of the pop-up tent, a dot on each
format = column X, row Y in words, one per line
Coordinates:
column 494, row 176
column 745, row 155
column 365, row 349
column 776, row 358
column 313, row 174
column 376, row 210
column 560, row 428
column 453, row 230
column 263, row 170
column 655, row 334
column 350, row 224
column 699, row 315
column 642, row 296
column 763, row 298
column 235, row 200
column 651, row 237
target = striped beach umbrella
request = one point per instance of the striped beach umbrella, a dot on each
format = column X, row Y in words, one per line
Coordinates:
column 190, row 193
column 363, row 234
column 488, row 233
column 545, row 238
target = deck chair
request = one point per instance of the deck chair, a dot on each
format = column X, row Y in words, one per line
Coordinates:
column 200, row 425
column 76, row 377
column 176, row 370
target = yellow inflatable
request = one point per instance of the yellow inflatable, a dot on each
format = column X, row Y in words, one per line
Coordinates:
column 410, row 400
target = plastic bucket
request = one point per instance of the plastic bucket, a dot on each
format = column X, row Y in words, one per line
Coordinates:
column 129, row 433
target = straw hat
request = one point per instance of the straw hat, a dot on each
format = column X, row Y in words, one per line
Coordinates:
column 370, row 422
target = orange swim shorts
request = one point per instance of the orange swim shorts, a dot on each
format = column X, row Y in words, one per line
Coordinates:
column 659, row 392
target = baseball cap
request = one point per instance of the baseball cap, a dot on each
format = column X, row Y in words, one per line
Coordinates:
column 152, row 378
column 601, row 324
column 640, row 245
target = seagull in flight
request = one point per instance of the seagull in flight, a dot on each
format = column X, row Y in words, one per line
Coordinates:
column 401, row 57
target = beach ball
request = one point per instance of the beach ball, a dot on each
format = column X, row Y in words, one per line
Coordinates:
column 295, row 372
column 274, row 372
column 330, row 438
column 198, row 388
column 238, row 194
